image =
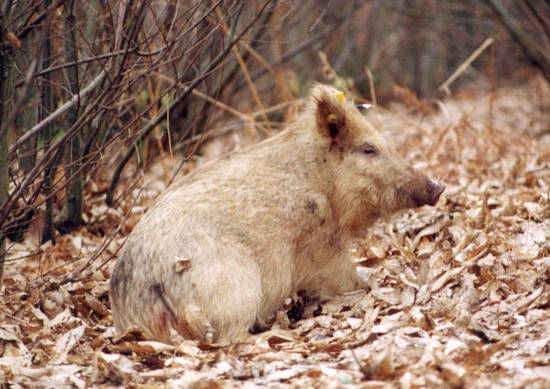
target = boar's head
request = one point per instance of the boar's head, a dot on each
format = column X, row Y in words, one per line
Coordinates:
column 369, row 177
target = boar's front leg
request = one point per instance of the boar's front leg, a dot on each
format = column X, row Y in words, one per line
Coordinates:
column 336, row 277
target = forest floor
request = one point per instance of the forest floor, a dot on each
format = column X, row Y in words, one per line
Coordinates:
column 459, row 293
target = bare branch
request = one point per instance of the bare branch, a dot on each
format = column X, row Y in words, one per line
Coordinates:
column 59, row 111
column 445, row 86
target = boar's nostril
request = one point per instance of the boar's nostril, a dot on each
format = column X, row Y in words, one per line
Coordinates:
column 434, row 191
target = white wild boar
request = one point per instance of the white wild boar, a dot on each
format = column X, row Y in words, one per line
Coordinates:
column 221, row 250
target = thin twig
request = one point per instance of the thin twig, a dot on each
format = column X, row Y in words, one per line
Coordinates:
column 371, row 86
column 223, row 106
column 79, row 62
column 59, row 111
column 36, row 21
column 232, row 127
column 245, row 71
column 23, row 99
column 445, row 86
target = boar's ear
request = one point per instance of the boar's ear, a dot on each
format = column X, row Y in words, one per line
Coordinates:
column 330, row 114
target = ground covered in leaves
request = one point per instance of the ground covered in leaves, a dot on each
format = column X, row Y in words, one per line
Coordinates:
column 459, row 293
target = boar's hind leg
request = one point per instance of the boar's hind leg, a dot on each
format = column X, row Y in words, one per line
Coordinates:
column 191, row 323
column 140, row 300
column 140, row 304
column 219, row 297
column 215, row 298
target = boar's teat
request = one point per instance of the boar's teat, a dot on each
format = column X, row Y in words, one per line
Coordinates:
column 426, row 192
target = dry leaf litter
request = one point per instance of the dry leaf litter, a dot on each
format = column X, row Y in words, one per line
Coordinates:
column 459, row 293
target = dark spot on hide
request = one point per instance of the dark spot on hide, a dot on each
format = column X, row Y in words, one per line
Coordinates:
column 311, row 206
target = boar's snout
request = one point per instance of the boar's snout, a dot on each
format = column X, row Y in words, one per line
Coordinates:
column 427, row 193
column 421, row 190
column 435, row 190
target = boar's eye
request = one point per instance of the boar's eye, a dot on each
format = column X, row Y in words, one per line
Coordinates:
column 367, row 149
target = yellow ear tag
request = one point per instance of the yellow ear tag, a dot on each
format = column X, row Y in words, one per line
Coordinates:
column 340, row 96
column 331, row 118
